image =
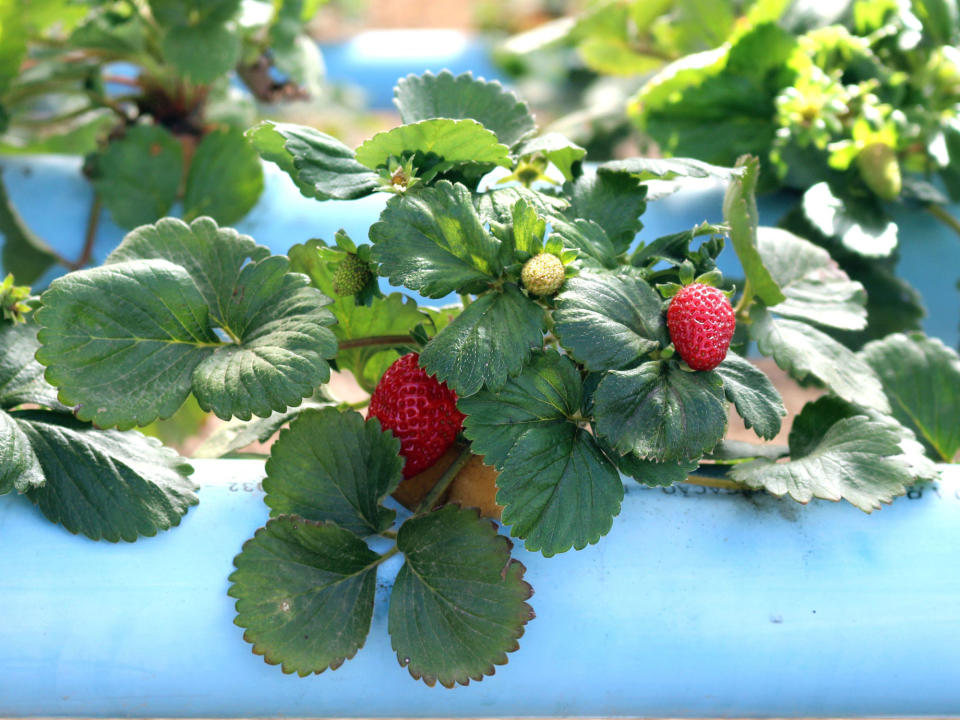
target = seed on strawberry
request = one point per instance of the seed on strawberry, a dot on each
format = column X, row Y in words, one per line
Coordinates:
column 701, row 322
column 542, row 274
column 420, row 410
column 351, row 275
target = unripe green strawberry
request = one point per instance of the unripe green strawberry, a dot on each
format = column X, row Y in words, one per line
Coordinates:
column 880, row 170
column 542, row 274
column 701, row 322
column 351, row 275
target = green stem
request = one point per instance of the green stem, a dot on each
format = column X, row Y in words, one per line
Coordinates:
column 715, row 483
column 943, row 216
column 744, row 304
column 377, row 340
column 389, row 534
column 465, row 300
column 444, row 482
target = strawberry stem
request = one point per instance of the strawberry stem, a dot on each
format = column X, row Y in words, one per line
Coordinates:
column 377, row 340
column 943, row 216
column 444, row 482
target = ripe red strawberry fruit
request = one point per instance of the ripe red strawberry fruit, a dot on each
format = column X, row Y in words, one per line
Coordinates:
column 420, row 410
column 701, row 323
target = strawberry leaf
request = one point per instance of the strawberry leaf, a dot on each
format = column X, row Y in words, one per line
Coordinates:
column 670, row 168
column 615, row 201
column 862, row 228
column 21, row 377
column 558, row 149
column 558, row 488
column 655, row 474
column 304, row 593
column 332, row 466
column 225, row 178
column 802, row 350
column 608, row 322
column 458, row 605
column 128, row 341
column 921, row 379
column 486, row 343
column 593, row 247
column 659, row 412
column 750, row 390
column 321, row 166
column 428, row 96
column 814, row 287
column 434, row 243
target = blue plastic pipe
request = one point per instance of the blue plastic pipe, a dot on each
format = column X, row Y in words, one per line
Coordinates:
column 699, row 602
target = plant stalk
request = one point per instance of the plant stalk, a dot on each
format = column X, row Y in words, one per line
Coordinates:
column 377, row 340
column 943, row 216
column 93, row 222
column 444, row 482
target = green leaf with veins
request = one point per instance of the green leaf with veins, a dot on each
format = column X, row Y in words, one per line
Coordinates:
column 802, row 350
column 429, row 96
column 615, row 201
column 497, row 203
column 138, row 176
column 304, row 593
column 439, row 145
column 673, row 248
column 21, row 376
column 659, row 412
column 528, row 229
column 458, row 605
column 558, row 149
column 487, row 342
column 105, row 484
column 750, row 390
column 321, row 166
column 670, row 168
column 861, row 227
column 202, row 51
column 921, row 379
column 225, row 178
column 128, row 341
column 433, row 241
column 334, row 466
column 608, row 322
column 652, row 473
column 589, row 240
column 856, row 459
column 557, row 487
column 740, row 213
column 815, row 288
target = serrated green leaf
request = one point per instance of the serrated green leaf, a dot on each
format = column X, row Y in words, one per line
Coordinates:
column 304, row 594
column 558, row 489
column 652, row 473
column 21, row 376
column 803, row 350
column 488, row 342
column 428, row 96
column 609, row 321
column 105, row 484
column 856, row 460
column 528, row 229
column 440, row 145
column 433, row 242
column 863, row 229
column 659, row 412
column 615, row 201
column 137, row 177
column 593, row 247
column 673, row 248
column 321, row 166
column 333, row 466
column 458, row 605
column 740, row 213
column 921, row 379
column 497, row 203
column 202, row 51
column 558, row 149
column 237, row 434
column 225, row 178
column 128, row 341
column 750, row 390
column 19, row 467
column 670, row 169
column 813, row 285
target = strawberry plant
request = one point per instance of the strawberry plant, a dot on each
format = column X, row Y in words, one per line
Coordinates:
column 567, row 381
column 145, row 90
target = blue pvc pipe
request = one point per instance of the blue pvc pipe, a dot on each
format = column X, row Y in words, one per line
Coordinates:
column 697, row 603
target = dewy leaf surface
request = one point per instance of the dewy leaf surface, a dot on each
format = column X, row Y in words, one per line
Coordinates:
column 558, row 488
column 321, row 166
column 815, row 288
column 428, row 96
column 921, row 379
column 856, row 460
column 105, row 484
column 333, row 466
column 128, row 341
column 659, row 412
column 803, row 350
column 750, row 390
column 432, row 241
column 488, row 342
column 609, row 321
column 458, row 605
column 304, row 594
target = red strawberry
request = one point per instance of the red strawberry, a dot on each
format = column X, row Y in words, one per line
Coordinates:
column 701, row 323
column 420, row 411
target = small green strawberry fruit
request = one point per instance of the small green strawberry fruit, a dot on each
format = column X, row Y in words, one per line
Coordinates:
column 880, row 170
column 351, row 275
column 542, row 274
